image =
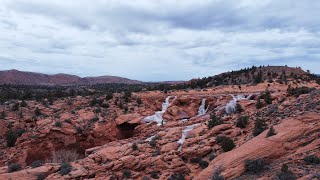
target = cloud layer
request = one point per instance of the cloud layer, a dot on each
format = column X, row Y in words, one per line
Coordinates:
column 152, row 40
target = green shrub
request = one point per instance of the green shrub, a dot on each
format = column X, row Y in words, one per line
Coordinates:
column 155, row 174
column 79, row 129
column 217, row 175
column 126, row 174
column 2, row 115
column 153, row 142
column 312, row 159
column 259, row 104
column 20, row 132
column 242, row 121
column 271, row 132
column 139, row 101
column 37, row 112
column 134, row 146
column 267, row 97
column 14, row 167
column 41, row 176
column 203, row 164
column 109, row 96
column 227, row 144
column 23, row 103
column 254, row 166
column 239, row 108
column 57, row 124
column 178, row 176
column 299, row 90
column 65, row 169
column 105, row 105
column 285, row 174
column 259, row 127
column 11, row 137
column 36, row 163
column 195, row 160
column 214, row 121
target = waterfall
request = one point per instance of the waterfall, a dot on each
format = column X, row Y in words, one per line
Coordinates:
column 202, row 109
column 185, row 132
column 157, row 117
column 232, row 105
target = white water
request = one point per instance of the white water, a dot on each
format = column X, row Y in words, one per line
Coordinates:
column 150, row 138
column 202, row 109
column 185, row 132
column 157, row 117
column 231, row 106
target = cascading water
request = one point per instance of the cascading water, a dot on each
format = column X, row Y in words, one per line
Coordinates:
column 185, row 132
column 232, row 105
column 202, row 109
column 157, row 117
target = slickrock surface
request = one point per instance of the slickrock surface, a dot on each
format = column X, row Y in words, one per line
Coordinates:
column 112, row 142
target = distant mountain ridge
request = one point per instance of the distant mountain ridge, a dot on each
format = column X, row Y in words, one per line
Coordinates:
column 17, row 77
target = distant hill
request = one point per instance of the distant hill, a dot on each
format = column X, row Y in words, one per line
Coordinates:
column 254, row 75
column 30, row 78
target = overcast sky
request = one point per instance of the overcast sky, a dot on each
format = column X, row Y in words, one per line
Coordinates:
column 153, row 40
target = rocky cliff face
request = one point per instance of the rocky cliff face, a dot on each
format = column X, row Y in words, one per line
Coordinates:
column 116, row 143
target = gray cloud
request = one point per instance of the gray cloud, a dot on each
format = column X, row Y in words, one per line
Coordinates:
column 152, row 40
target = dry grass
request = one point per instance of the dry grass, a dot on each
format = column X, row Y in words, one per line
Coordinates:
column 66, row 156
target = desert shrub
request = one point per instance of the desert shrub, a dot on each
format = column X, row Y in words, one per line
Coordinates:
column 153, row 142
column 97, row 110
column 227, row 144
column 37, row 112
column 259, row 104
column 147, row 178
column 212, row 156
column 57, row 124
column 267, row 97
column 20, row 132
column 69, row 103
column 299, row 90
column 105, row 105
column 41, row 176
column 157, row 152
column 2, row 115
column 217, row 175
column 285, row 174
column 15, row 107
column 65, row 168
column 195, row 160
column 242, row 121
column 67, row 121
column 36, row 163
column 134, row 146
column 11, row 137
column 312, row 159
column 178, row 176
column 23, row 103
column 254, row 166
column 79, row 129
column 155, row 174
column 214, row 121
column 65, row 156
column 126, row 174
column 109, row 96
column 203, row 164
column 271, row 132
column 94, row 119
column 14, row 167
column 239, row 108
column 139, row 101
column 259, row 127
